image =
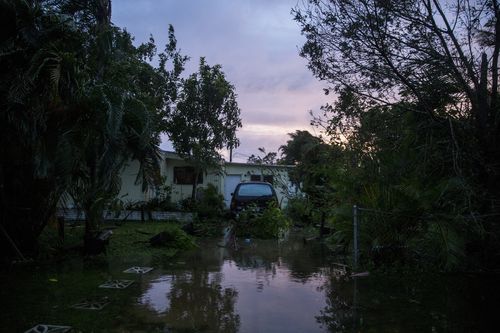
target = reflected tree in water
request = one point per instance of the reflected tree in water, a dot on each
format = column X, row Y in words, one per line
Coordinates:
column 303, row 260
column 198, row 301
column 339, row 314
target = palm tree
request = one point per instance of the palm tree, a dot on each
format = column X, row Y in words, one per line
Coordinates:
column 120, row 130
column 78, row 101
column 39, row 94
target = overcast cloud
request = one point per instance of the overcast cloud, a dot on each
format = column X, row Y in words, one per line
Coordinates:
column 256, row 42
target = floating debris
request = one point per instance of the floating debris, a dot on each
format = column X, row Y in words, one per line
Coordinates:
column 138, row 270
column 92, row 304
column 339, row 270
column 116, row 284
column 44, row 328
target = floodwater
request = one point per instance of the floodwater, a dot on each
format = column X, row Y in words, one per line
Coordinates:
column 264, row 286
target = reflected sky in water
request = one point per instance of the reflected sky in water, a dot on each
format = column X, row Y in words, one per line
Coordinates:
column 154, row 298
column 262, row 287
column 273, row 299
column 261, row 295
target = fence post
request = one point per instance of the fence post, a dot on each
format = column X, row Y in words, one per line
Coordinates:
column 355, row 213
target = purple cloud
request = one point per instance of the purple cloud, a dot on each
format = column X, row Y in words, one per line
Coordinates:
column 256, row 42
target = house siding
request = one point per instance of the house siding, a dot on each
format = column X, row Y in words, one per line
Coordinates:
column 280, row 174
column 131, row 192
column 180, row 192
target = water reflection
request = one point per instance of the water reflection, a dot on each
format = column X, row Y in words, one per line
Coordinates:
column 262, row 287
column 154, row 298
column 339, row 314
column 412, row 303
column 296, row 287
column 195, row 301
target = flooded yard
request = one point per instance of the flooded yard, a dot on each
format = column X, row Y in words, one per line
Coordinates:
column 264, row 286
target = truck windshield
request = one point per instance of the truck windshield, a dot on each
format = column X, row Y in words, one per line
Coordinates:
column 254, row 190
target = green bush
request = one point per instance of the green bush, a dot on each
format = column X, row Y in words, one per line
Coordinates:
column 133, row 239
column 187, row 205
column 299, row 210
column 162, row 201
column 271, row 223
column 174, row 237
column 210, row 203
column 209, row 227
column 210, row 211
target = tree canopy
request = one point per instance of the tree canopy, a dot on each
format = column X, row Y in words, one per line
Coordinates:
column 269, row 158
column 295, row 149
column 78, row 101
column 435, row 53
column 205, row 118
column 414, row 132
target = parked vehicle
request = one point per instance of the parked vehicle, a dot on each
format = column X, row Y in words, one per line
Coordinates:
column 254, row 195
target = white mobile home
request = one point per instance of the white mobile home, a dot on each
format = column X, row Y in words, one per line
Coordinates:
column 178, row 175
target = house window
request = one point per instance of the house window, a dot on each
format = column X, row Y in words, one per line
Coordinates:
column 268, row 178
column 255, row 178
column 260, row 178
column 185, row 176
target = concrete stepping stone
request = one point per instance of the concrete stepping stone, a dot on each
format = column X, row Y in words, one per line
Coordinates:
column 92, row 304
column 116, row 284
column 44, row 328
column 138, row 270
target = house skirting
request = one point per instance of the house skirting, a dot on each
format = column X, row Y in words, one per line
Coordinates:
column 74, row 214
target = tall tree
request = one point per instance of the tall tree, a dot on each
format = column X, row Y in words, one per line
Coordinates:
column 78, row 100
column 269, row 158
column 205, row 119
column 126, row 108
column 442, row 56
column 42, row 62
column 295, row 149
column 298, row 151
column 417, row 117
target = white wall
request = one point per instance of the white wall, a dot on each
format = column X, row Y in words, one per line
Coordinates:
column 280, row 175
column 180, row 192
column 132, row 192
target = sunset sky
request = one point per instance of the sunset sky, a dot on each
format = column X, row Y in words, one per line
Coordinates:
column 256, row 42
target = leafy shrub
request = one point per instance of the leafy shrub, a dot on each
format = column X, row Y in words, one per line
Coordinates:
column 173, row 237
column 209, row 227
column 210, row 210
column 187, row 205
column 210, row 203
column 271, row 223
column 299, row 210
column 162, row 201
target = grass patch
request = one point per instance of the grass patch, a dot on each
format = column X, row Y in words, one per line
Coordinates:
column 131, row 239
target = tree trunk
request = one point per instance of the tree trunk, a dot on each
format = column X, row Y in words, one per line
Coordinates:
column 195, row 184
column 26, row 210
column 483, row 106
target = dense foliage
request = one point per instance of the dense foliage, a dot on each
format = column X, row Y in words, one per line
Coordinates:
column 414, row 135
column 270, row 223
column 205, row 119
column 78, row 101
